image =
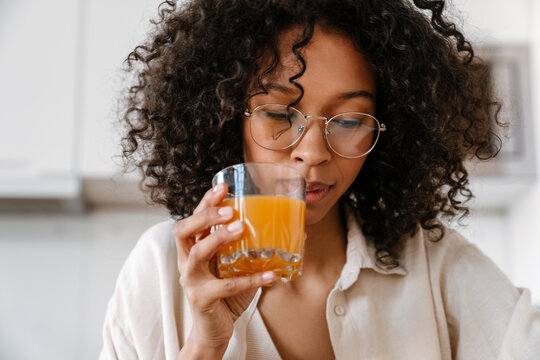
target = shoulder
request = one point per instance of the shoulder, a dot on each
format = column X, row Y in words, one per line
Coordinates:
column 451, row 244
column 158, row 236
column 453, row 253
column 152, row 258
column 146, row 301
column 461, row 276
column 459, row 264
column 474, row 294
column 485, row 313
column 158, row 239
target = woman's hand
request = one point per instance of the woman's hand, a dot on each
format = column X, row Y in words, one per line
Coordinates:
column 215, row 303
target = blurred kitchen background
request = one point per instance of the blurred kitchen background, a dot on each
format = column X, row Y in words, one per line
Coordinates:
column 68, row 218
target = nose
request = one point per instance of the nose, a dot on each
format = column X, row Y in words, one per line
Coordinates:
column 312, row 148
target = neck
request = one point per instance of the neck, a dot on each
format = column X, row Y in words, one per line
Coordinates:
column 325, row 250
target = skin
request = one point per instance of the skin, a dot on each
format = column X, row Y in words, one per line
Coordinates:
column 338, row 79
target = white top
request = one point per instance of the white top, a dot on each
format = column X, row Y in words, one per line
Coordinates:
column 446, row 301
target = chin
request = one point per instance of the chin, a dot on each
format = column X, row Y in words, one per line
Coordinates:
column 315, row 213
column 314, row 216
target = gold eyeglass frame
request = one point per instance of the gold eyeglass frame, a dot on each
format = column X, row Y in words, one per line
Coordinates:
column 381, row 128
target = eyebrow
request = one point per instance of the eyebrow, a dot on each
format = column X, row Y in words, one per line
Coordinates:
column 355, row 94
column 280, row 88
column 293, row 91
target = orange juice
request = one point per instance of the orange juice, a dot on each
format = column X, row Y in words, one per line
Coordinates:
column 273, row 239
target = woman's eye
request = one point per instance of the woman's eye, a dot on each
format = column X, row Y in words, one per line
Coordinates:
column 348, row 123
column 277, row 115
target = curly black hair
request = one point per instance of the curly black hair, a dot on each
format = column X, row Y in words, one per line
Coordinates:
column 194, row 75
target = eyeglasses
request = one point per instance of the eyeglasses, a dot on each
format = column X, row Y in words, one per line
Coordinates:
column 278, row 127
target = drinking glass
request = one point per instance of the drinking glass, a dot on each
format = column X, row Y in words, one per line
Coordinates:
column 270, row 199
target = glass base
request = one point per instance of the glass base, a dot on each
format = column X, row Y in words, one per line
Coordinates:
column 285, row 265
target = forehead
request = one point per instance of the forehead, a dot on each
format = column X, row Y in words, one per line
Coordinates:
column 332, row 61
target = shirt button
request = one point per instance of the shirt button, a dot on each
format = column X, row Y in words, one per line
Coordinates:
column 339, row 310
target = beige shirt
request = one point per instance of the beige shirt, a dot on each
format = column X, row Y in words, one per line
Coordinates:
column 446, row 301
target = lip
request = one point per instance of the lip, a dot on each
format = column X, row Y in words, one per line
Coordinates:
column 315, row 191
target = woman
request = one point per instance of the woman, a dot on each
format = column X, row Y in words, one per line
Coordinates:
column 382, row 277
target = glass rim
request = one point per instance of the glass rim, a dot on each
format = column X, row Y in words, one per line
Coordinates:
column 258, row 164
column 268, row 178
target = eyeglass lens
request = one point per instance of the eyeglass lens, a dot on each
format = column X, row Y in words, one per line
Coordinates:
column 277, row 127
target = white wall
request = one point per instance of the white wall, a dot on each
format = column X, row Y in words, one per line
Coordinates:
column 524, row 215
column 38, row 75
column 110, row 31
column 57, row 273
column 511, row 236
column 494, row 21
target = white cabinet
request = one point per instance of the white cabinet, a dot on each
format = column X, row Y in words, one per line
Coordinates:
column 60, row 78
column 111, row 30
column 38, row 98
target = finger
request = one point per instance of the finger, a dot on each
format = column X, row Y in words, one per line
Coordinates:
column 186, row 229
column 223, row 288
column 212, row 197
column 202, row 252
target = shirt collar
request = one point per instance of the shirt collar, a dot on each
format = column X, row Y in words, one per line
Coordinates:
column 360, row 255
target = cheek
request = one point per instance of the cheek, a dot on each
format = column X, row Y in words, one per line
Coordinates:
column 245, row 143
column 249, row 153
column 253, row 152
column 351, row 170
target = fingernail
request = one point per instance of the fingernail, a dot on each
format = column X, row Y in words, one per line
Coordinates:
column 269, row 275
column 225, row 211
column 235, row 226
column 218, row 187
